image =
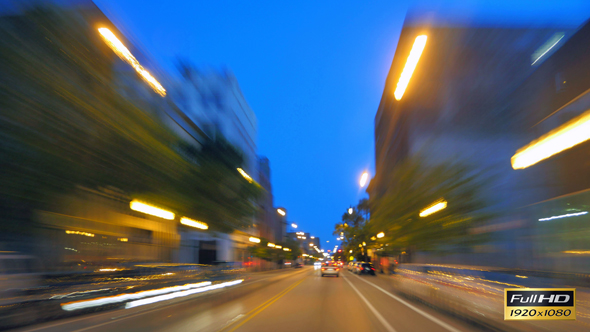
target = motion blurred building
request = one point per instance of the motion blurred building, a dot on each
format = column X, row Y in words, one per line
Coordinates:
column 269, row 221
column 464, row 102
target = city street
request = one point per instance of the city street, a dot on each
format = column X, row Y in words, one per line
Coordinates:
column 301, row 301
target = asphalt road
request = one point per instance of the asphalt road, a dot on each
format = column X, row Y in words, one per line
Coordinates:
column 301, row 301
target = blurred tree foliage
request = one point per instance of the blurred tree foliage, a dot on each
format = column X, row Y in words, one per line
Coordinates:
column 411, row 187
column 64, row 122
column 355, row 230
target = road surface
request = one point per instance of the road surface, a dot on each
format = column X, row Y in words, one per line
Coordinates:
column 301, row 301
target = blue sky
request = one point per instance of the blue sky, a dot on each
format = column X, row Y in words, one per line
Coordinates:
column 313, row 72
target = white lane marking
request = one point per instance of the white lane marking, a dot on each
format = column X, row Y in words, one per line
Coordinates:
column 375, row 312
column 427, row 315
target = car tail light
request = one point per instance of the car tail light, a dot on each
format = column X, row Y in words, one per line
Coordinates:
column 323, row 269
column 373, row 269
column 336, row 269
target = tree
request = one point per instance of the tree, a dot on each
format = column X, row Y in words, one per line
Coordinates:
column 413, row 186
column 64, row 122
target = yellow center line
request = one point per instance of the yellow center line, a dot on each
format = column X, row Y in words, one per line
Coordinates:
column 252, row 313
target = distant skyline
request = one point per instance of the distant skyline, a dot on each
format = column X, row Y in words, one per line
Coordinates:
column 312, row 73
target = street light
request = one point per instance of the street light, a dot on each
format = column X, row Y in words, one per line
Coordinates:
column 254, row 239
column 411, row 63
column 350, row 210
column 433, row 208
column 311, row 244
column 294, row 225
column 364, row 179
column 380, row 235
column 281, row 212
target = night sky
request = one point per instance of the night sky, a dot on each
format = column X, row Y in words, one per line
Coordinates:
column 313, row 73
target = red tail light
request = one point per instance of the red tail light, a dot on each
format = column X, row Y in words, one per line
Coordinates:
column 373, row 269
column 323, row 269
column 337, row 269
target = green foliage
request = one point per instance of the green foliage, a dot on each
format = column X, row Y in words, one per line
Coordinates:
column 64, row 122
column 413, row 186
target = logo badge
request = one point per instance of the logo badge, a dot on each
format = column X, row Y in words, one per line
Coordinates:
column 539, row 303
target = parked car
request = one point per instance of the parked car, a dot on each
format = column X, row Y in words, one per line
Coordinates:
column 297, row 265
column 477, row 293
column 350, row 266
column 365, row 268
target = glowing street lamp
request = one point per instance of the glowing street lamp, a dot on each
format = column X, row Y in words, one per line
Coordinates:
column 570, row 134
column 435, row 207
column 350, row 210
column 272, row 245
column 364, row 179
column 151, row 210
column 294, row 225
column 245, row 175
column 380, row 235
column 411, row 63
column 281, row 212
column 254, row 239
column 193, row 223
column 123, row 52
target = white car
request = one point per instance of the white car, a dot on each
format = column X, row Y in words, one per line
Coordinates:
column 330, row 269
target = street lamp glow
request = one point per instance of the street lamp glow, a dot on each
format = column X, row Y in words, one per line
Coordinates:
column 278, row 247
column 294, row 225
column 311, row 244
column 123, row 52
column 193, row 223
column 364, row 244
column 286, row 249
column 282, row 212
column 254, row 239
column 245, row 175
column 350, row 251
column 312, row 237
column 435, row 207
column 562, row 138
column 151, row 210
column 380, row 235
column 350, row 210
column 364, row 179
column 272, row 245
column 410, row 66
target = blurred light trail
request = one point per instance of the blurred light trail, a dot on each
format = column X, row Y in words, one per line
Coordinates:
column 151, row 210
column 577, row 252
column 282, row 212
column 278, row 247
column 272, row 245
column 193, row 223
column 117, row 46
column 562, row 138
column 364, row 179
column 174, row 295
column 80, row 233
column 286, row 249
column 294, row 225
column 564, row 216
column 254, row 239
column 411, row 63
column 380, row 235
column 437, row 206
column 245, row 175
column 70, row 306
column 548, row 46
column 123, row 239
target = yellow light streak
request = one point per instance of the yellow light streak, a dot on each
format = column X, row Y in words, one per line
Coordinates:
column 286, row 249
column 120, row 50
column 272, row 245
column 246, row 176
column 435, row 207
column 380, row 235
column 80, row 233
column 410, row 66
column 193, row 223
column 151, row 210
column 254, row 239
column 281, row 212
column 278, row 247
column 570, row 134
column 123, row 239
column 577, row 252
